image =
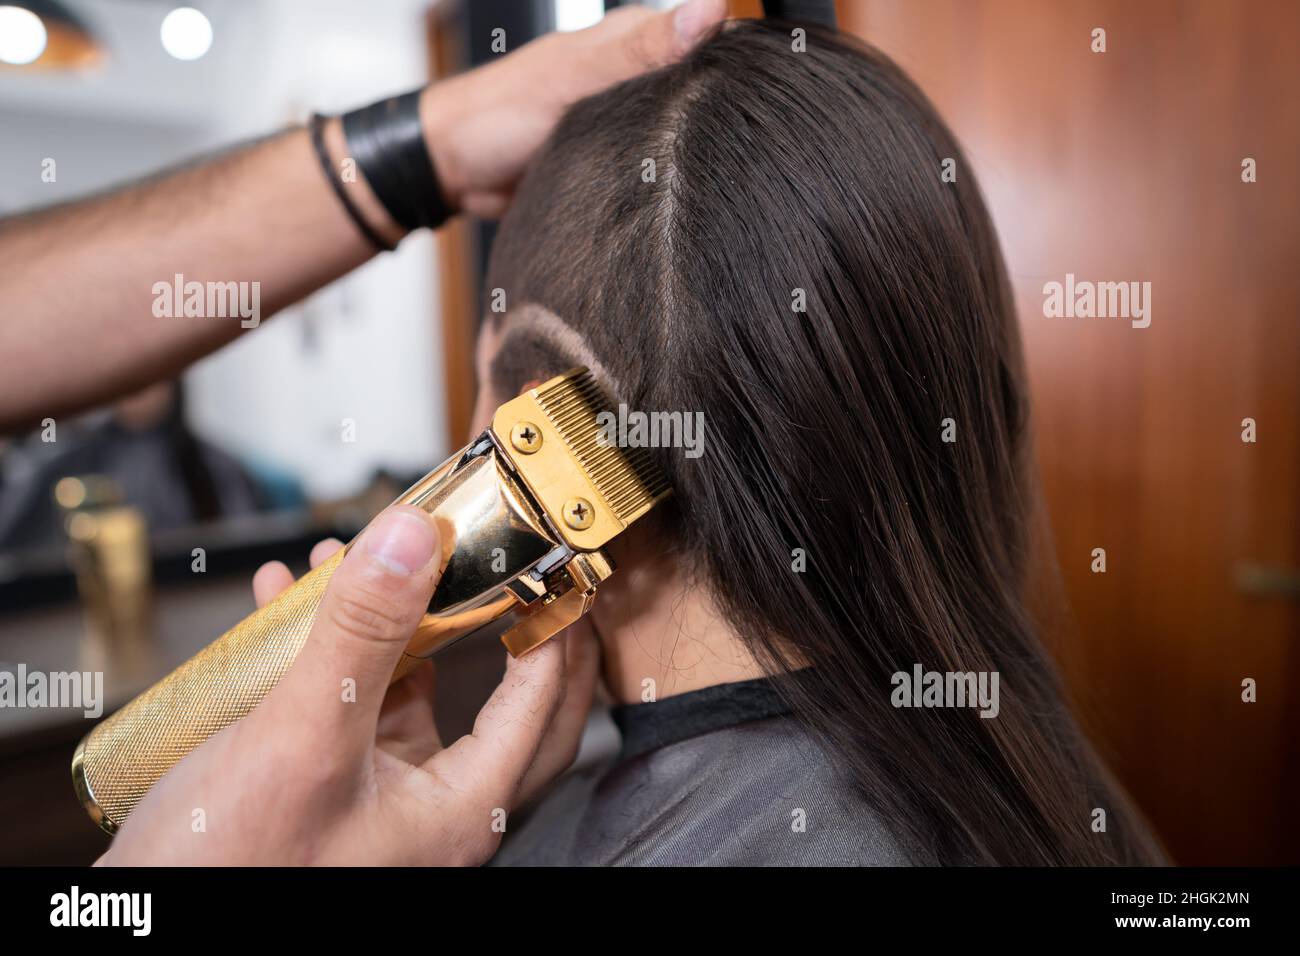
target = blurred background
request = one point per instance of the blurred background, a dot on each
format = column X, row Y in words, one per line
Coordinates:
column 1115, row 166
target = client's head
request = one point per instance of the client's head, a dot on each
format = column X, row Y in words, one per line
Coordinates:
column 768, row 237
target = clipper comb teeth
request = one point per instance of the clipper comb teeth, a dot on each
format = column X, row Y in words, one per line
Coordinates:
column 591, row 488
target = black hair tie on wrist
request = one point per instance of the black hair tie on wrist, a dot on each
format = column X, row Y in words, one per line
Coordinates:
column 387, row 142
column 318, row 141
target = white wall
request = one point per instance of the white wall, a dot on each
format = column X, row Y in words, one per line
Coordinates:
column 364, row 348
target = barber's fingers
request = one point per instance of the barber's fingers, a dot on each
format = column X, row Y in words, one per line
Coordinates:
column 490, row 762
column 486, row 205
column 560, row 746
column 270, row 579
column 322, row 551
column 369, row 611
column 274, row 576
column 645, row 41
column 406, row 725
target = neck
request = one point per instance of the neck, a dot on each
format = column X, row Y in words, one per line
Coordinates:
column 660, row 633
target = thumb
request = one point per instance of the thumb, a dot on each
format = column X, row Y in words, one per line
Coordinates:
column 692, row 20
column 655, row 40
column 371, row 607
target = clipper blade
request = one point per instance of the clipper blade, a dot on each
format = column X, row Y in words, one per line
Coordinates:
column 592, row 489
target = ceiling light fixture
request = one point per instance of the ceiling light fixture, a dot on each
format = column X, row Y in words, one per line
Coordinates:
column 186, row 33
column 22, row 36
column 45, row 35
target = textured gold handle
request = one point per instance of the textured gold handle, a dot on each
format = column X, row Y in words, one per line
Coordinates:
column 126, row 754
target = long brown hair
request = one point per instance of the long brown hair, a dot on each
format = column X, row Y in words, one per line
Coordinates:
column 779, row 179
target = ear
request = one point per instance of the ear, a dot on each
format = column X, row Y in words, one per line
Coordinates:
column 530, row 384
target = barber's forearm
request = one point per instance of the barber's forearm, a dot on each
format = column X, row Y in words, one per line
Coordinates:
column 77, row 305
column 77, row 322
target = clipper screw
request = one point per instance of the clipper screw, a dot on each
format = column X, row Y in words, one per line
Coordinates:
column 579, row 514
column 526, row 437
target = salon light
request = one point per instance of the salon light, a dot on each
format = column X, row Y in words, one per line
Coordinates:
column 186, row 33
column 578, row 14
column 22, row 36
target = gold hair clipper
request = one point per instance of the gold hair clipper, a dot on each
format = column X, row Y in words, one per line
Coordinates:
column 525, row 512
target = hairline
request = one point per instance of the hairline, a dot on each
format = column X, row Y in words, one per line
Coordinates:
column 535, row 321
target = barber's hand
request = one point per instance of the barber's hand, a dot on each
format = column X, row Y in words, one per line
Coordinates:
column 485, row 125
column 315, row 776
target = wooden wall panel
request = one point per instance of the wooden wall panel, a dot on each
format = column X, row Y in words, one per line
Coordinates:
column 1120, row 166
